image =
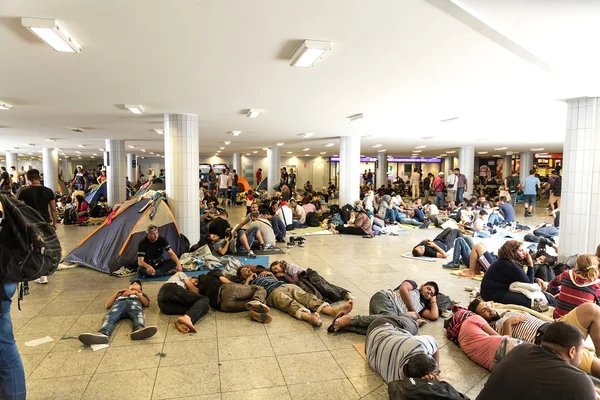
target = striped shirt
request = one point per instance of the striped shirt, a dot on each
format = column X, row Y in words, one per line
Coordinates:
column 268, row 282
column 524, row 331
column 389, row 348
column 415, row 296
column 574, row 291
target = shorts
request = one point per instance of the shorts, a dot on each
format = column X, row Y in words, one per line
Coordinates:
column 530, row 199
column 486, row 260
column 588, row 357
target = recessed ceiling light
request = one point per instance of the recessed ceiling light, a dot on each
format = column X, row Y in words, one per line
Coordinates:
column 279, row 144
column 307, row 155
column 235, row 133
column 413, row 156
column 83, row 146
column 63, row 154
column 500, row 148
column 79, row 158
column 323, row 152
column 482, row 152
column 101, row 149
column 337, row 155
column 427, row 138
column 52, row 33
column 95, row 154
column 417, row 151
column 131, row 146
column 30, row 154
column 290, row 152
column 143, row 150
column 50, row 140
column 449, row 119
column 451, row 151
column 254, row 113
column 330, row 145
column 255, row 151
column 222, row 148
column 78, row 152
column 227, row 142
column 247, row 154
column 5, row 106
column 540, row 149
column 497, row 155
column 309, row 52
column 306, row 149
column 420, row 147
column 376, row 145
column 306, row 134
column 31, row 145
column 151, row 152
column 92, row 157
column 135, row 108
column 381, row 151
column 443, row 155
column 218, row 151
column 144, row 158
column 355, row 117
column 159, row 131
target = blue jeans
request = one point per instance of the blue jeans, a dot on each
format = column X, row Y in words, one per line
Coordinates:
column 250, row 235
column 298, row 224
column 234, row 191
column 160, row 269
column 12, row 375
column 419, row 215
column 439, row 199
column 125, row 308
column 462, row 250
column 495, row 219
column 481, row 234
column 278, row 228
column 459, row 194
column 392, row 215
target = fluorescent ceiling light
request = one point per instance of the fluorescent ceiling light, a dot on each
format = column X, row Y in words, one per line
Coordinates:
column 309, row 52
column 254, row 113
column 482, row 152
column 449, row 119
column 330, row 145
column 151, row 152
column 337, row 155
column 227, row 142
column 159, row 131
column 417, row 151
column 376, row 145
column 63, row 154
column 83, row 146
column 500, row 148
column 31, row 145
column 58, row 149
column 247, row 154
column 95, row 154
column 5, row 106
column 306, row 134
column 79, row 158
column 30, row 154
column 354, row 117
column 540, row 149
column 254, row 151
column 50, row 140
column 78, row 152
column 451, row 151
column 497, row 155
column 420, row 147
column 236, row 133
column 222, row 148
column 323, row 152
column 427, row 138
column 381, row 151
column 307, row 155
column 92, row 157
column 101, row 149
column 135, row 108
column 131, row 146
column 443, row 155
column 279, row 144
column 143, row 150
column 53, row 33
column 413, row 156
column 306, row 149
column 290, row 152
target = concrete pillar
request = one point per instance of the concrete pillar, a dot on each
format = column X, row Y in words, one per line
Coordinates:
column 132, row 168
column 273, row 165
column 580, row 208
column 50, row 162
column 237, row 163
column 65, row 169
column 349, row 169
column 11, row 160
column 182, row 146
column 114, row 161
column 507, row 166
column 381, row 177
column 526, row 164
column 466, row 164
column 448, row 165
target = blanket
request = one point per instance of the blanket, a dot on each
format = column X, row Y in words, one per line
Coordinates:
column 311, row 230
column 476, row 277
column 429, row 259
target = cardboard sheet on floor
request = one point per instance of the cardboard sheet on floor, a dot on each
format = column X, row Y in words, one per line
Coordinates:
column 259, row 260
column 476, row 277
column 360, row 347
column 306, row 231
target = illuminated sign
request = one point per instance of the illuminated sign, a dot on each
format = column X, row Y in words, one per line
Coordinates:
column 394, row 159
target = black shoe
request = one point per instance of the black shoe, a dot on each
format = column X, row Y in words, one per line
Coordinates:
column 291, row 243
column 425, row 225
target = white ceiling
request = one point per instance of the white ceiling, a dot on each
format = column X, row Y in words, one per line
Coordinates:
column 406, row 65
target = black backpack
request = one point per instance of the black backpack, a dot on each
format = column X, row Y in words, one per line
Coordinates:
column 420, row 389
column 312, row 219
column 345, row 212
column 29, row 247
column 70, row 216
column 513, row 184
column 556, row 185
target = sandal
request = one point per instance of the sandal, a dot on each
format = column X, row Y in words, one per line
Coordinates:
column 330, row 328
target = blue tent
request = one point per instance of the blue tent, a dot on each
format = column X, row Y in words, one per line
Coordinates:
column 262, row 185
column 94, row 195
column 114, row 243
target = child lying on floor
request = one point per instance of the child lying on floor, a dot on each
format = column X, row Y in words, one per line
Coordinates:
column 124, row 303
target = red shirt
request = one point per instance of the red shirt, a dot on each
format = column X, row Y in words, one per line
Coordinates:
column 438, row 184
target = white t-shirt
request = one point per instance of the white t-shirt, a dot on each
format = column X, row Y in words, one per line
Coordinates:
column 451, row 180
column 223, row 180
column 300, row 213
column 433, row 210
column 285, row 214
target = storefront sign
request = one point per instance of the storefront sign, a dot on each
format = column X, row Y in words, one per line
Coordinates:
column 394, row 159
column 555, row 156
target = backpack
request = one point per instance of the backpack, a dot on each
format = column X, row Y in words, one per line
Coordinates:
column 345, row 212
column 334, row 209
column 544, row 272
column 420, row 389
column 453, row 324
column 513, row 183
column 69, row 216
column 556, row 186
column 312, row 219
column 29, row 247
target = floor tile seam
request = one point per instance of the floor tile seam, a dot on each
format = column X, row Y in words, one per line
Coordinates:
column 279, row 365
column 345, row 374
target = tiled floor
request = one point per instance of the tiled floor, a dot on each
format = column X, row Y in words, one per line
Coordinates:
column 230, row 357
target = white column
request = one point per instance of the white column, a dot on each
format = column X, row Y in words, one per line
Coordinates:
column 507, row 166
column 237, row 163
column 273, row 165
column 466, row 164
column 182, row 146
column 65, row 169
column 114, row 160
column 381, row 173
column 448, row 165
column 50, row 162
column 580, row 208
column 349, row 169
column 11, row 160
column 132, row 168
column 526, row 164
column 69, row 168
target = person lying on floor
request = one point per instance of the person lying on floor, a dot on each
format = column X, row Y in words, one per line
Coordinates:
column 526, row 327
column 292, row 299
column 462, row 251
column 124, row 303
column 151, row 262
column 392, row 345
column 407, row 298
column 543, row 230
column 509, row 269
column 180, row 296
column 310, row 281
column 358, row 224
column 544, row 372
column 437, row 247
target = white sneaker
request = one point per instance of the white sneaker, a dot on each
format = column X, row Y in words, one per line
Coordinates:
column 42, row 280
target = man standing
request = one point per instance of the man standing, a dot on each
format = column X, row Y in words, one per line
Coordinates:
column 555, row 185
column 12, row 374
column 438, row 187
column 223, row 185
column 415, row 182
column 4, row 179
column 234, row 188
column 544, row 372
column 41, row 199
column 258, row 176
column 462, row 185
column 370, row 178
column 81, row 179
column 451, row 186
column 14, row 177
column 151, row 262
column 530, row 186
column 511, row 183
